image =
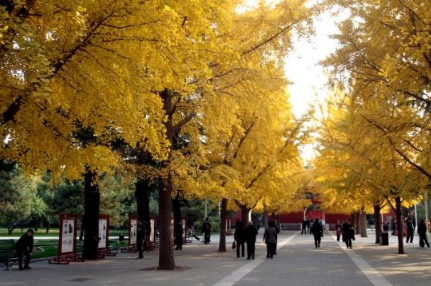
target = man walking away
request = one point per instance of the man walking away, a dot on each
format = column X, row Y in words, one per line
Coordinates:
column 140, row 236
column 317, row 231
column 304, row 227
column 24, row 246
column 422, row 231
column 250, row 239
column 270, row 239
column 239, row 237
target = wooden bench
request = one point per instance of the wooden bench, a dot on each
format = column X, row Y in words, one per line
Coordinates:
column 7, row 257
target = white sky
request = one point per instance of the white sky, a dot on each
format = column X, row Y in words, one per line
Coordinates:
column 303, row 70
column 302, row 66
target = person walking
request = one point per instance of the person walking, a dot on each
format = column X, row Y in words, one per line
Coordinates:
column 338, row 231
column 348, row 233
column 206, row 229
column 410, row 230
column 304, row 227
column 179, row 236
column 317, row 231
column 422, row 232
column 24, row 246
column 250, row 239
column 140, row 237
column 239, row 237
column 270, row 238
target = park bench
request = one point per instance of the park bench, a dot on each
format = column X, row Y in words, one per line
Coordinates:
column 6, row 253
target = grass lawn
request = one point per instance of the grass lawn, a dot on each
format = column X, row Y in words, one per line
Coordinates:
column 49, row 248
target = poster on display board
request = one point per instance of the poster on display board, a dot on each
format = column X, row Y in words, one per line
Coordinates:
column 153, row 229
column 103, row 231
column 133, row 229
column 172, row 230
column 67, row 240
column 68, row 235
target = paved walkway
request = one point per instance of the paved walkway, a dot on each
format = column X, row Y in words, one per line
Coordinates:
column 297, row 263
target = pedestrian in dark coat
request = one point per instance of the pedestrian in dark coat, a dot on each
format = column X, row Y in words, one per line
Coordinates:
column 317, row 231
column 24, row 246
column 250, row 239
column 206, row 229
column 179, row 236
column 239, row 237
column 304, row 227
column 422, row 231
column 348, row 233
column 270, row 238
column 140, row 237
column 410, row 230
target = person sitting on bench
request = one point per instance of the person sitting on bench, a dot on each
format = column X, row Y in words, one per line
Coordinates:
column 24, row 246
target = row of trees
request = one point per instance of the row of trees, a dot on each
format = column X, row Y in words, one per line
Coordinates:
column 188, row 98
column 31, row 201
column 375, row 134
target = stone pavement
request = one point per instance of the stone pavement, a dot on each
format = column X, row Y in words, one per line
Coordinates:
column 297, row 263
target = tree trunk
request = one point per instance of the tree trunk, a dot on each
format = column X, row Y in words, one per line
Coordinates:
column 357, row 222
column 265, row 218
column 47, row 227
column 91, row 216
column 400, row 225
column 223, row 215
column 245, row 214
column 377, row 222
column 176, row 207
column 142, row 190
column 166, row 254
column 363, row 223
column 142, row 193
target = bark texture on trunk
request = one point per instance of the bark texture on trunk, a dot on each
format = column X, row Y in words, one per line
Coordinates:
column 377, row 222
column 223, row 215
column 142, row 192
column 357, row 223
column 166, row 254
column 91, row 216
column 245, row 214
column 400, row 225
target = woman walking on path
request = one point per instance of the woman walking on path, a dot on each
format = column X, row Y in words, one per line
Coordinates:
column 422, row 231
column 270, row 238
column 250, row 239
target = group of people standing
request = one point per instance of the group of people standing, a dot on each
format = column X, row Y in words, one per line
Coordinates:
column 246, row 234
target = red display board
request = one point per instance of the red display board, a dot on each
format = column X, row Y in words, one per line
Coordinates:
column 153, row 233
column 103, row 246
column 67, row 240
column 133, row 233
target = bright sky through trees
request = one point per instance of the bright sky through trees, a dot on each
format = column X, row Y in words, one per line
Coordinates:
column 308, row 79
